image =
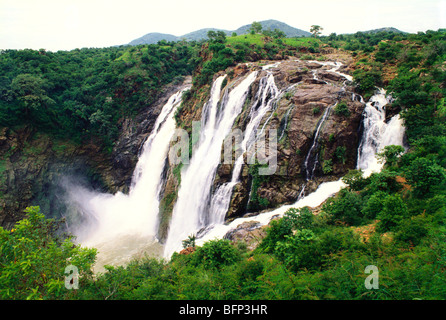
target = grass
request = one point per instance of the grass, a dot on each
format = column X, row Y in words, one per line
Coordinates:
column 256, row 39
column 259, row 39
column 302, row 42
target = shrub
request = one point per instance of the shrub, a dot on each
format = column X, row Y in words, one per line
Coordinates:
column 412, row 230
column 33, row 259
column 341, row 109
column 355, row 180
column 374, row 205
column 327, row 166
column 340, row 154
column 393, row 212
column 390, row 155
column 216, row 253
column 346, row 207
column 424, row 174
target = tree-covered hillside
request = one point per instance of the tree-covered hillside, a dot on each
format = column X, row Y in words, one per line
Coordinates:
column 84, row 92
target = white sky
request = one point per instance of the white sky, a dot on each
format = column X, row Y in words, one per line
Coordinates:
column 69, row 24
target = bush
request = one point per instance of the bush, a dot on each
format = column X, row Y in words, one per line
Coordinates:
column 341, row 109
column 374, row 205
column 216, row 253
column 412, row 230
column 424, row 175
column 340, row 154
column 345, row 207
column 383, row 181
column 390, row 155
column 292, row 249
column 393, row 212
column 354, row 180
column 276, row 232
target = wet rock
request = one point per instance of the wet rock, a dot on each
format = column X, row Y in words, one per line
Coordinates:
column 249, row 232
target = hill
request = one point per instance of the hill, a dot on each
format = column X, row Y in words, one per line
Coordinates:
column 201, row 34
column 274, row 24
column 153, row 37
column 387, row 29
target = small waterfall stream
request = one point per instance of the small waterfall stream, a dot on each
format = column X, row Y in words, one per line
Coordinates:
column 377, row 133
column 311, row 160
column 265, row 97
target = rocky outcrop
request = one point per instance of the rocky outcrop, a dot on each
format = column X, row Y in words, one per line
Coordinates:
column 308, row 90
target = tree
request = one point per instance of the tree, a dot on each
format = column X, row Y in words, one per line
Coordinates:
column 390, row 155
column 393, row 212
column 316, row 30
column 30, row 91
column 216, row 253
column 256, row 27
column 424, row 174
column 217, row 36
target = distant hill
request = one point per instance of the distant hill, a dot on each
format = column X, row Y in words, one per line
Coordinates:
column 289, row 31
column 388, row 29
column 154, row 37
column 201, row 34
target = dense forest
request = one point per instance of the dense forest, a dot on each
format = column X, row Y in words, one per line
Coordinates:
column 85, row 92
column 394, row 219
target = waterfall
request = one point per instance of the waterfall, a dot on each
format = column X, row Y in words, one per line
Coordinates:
column 265, row 97
column 128, row 223
column 191, row 211
column 377, row 134
column 311, row 160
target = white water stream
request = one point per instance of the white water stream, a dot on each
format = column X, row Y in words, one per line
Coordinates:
column 122, row 226
column 191, row 211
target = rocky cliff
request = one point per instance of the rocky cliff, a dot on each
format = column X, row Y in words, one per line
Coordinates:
column 312, row 94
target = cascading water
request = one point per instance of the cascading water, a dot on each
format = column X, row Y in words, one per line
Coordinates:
column 122, row 225
column 191, row 211
column 265, row 97
column 311, row 160
column 376, row 135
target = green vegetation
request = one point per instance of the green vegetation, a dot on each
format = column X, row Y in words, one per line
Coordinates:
column 316, row 30
column 341, row 109
column 34, row 258
column 81, row 94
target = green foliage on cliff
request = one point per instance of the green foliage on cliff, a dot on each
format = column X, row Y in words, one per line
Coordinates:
column 85, row 92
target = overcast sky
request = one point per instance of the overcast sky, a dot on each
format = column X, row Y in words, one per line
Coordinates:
column 69, row 24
